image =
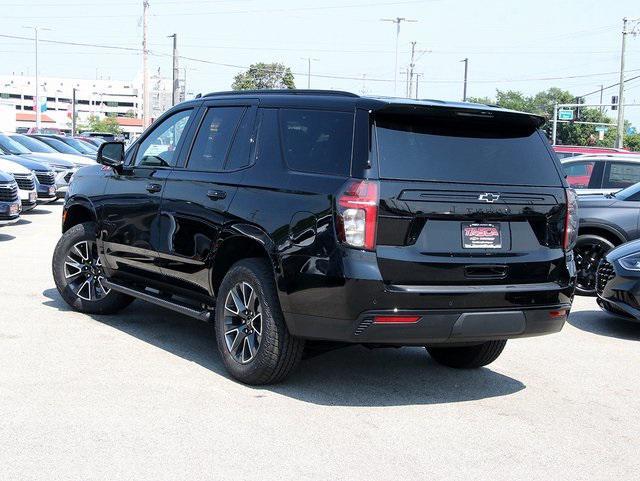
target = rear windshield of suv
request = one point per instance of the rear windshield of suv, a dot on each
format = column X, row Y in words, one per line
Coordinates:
column 447, row 149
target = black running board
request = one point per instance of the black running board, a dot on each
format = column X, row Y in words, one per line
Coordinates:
column 203, row 315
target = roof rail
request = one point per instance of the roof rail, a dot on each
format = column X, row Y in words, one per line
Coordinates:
column 335, row 93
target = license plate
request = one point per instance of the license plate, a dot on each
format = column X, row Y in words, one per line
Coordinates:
column 481, row 236
column 33, row 196
column 14, row 209
column 52, row 190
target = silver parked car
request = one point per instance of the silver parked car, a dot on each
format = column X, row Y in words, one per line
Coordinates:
column 601, row 173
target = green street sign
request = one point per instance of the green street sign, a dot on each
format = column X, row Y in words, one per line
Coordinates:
column 565, row 114
column 602, row 128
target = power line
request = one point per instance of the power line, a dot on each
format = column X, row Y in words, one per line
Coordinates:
column 318, row 75
column 234, row 12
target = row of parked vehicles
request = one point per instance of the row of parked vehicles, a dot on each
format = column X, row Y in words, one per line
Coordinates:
column 37, row 169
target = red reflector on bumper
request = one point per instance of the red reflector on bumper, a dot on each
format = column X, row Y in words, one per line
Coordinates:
column 557, row 314
column 396, row 319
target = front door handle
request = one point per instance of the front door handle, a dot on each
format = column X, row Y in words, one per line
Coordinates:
column 153, row 188
column 216, row 194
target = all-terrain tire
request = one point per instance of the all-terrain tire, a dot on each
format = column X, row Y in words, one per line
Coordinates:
column 278, row 352
column 467, row 357
column 110, row 302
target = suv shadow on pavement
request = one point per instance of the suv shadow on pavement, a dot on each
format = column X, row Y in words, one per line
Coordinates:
column 353, row 376
column 605, row 324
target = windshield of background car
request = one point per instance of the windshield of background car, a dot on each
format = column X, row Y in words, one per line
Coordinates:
column 11, row 146
column 34, row 145
column 61, row 146
column 80, row 146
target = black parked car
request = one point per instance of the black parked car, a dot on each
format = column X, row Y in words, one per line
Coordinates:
column 45, row 176
column 606, row 221
column 618, row 281
column 309, row 215
column 66, row 145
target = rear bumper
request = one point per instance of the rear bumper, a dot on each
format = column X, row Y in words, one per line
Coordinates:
column 342, row 308
column 435, row 327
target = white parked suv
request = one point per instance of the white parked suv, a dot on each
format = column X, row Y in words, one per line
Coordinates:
column 601, row 173
column 26, row 181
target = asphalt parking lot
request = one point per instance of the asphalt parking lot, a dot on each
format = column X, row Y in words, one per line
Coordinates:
column 143, row 395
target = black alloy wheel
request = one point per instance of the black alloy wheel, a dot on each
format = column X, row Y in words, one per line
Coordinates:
column 242, row 322
column 588, row 252
column 83, row 271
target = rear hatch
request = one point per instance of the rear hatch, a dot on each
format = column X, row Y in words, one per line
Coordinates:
column 467, row 198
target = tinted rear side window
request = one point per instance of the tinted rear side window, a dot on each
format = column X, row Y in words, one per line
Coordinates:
column 458, row 150
column 317, row 141
column 214, row 138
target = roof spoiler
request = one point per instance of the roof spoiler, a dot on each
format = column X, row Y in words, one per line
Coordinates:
column 465, row 111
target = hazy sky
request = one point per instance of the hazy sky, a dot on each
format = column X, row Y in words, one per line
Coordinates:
column 522, row 45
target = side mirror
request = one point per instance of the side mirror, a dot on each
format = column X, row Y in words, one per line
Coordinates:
column 111, row 154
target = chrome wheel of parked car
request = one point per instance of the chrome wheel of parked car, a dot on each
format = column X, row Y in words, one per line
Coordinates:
column 588, row 252
column 243, row 322
column 83, row 270
column 79, row 275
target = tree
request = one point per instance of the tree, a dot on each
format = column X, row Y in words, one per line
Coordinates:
column 481, row 100
column 264, row 76
column 106, row 124
column 632, row 142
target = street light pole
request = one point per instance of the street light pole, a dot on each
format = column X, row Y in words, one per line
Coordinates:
column 625, row 32
column 466, row 72
column 145, row 70
column 309, row 60
column 36, row 104
column 397, row 21
column 175, row 92
column 620, row 130
column 73, row 112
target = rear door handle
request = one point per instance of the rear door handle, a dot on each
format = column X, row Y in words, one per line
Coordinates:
column 153, row 188
column 216, row 194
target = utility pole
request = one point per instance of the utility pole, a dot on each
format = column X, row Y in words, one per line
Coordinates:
column 601, row 93
column 73, row 112
column 466, row 73
column 145, row 71
column 309, row 60
column 364, row 84
column 36, row 103
column 418, row 75
column 397, row 21
column 175, row 92
column 620, row 130
column 554, row 135
column 412, row 64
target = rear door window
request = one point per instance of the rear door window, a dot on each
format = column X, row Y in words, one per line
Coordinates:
column 455, row 149
column 619, row 175
column 579, row 174
column 317, row 141
column 214, row 138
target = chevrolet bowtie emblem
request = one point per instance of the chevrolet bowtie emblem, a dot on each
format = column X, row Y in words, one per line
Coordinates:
column 489, row 197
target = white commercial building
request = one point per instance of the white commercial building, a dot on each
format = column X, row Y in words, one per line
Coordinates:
column 118, row 98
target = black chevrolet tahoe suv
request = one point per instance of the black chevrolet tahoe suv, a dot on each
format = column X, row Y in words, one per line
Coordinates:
column 285, row 217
